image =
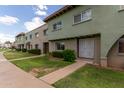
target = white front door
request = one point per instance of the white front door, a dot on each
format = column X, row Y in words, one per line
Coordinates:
column 86, row 48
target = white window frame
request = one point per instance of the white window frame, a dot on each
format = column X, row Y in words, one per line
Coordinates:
column 31, row 36
column 76, row 15
column 57, row 27
column 36, row 34
column 45, row 32
column 83, row 20
column 60, row 44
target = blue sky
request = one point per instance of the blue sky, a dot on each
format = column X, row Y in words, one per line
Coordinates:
column 21, row 18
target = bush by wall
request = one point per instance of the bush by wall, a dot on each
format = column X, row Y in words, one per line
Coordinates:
column 35, row 51
column 69, row 55
column 18, row 49
column 58, row 54
column 24, row 50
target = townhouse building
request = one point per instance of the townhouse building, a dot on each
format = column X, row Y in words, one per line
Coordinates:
column 20, row 40
column 94, row 32
column 8, row 44
column 37, row 39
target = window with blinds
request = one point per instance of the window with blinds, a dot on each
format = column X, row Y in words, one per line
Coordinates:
column 83, row 16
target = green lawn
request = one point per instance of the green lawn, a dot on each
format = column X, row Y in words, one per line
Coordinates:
column 92, row 77
column 42, row 63
column 16, row 54
column 1, row 49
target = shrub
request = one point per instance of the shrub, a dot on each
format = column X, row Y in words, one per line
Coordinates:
column 24, row 50
column 58, row 54
column 18, row 49
column 69, row 55
column 35, row 51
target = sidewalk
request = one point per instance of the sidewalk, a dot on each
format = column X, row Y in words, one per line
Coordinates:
column 61, row 73
column 13, row 77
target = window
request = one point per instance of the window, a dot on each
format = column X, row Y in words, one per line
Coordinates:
column 121, row 7
column 83, row 16
column 36, row 46
column 19, row 38
column 26, row 37
column 37, row 34
column 60, row 46
column 30, row 36
column 86, row 15
column 45, row 32
column 77, row 18
column 57, row 25
column 121, row 46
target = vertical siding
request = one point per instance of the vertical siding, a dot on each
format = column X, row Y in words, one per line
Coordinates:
column 69, row 44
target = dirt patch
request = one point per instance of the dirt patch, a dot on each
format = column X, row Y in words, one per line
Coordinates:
column 36, row 71
column 46, row 69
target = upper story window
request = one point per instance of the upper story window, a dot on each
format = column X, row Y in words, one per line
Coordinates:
column 26, row 37
column 60, row 45
column 121, row 7
column 21, row 38
column 37, row 34
column 45, row 32
column 57, row 25
column 77, row 18
column 83, row 16
column 30, row 36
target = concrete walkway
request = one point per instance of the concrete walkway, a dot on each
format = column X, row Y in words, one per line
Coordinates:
column 13, row 77
column 61, row 73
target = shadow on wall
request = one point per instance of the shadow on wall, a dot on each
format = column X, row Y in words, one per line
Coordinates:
column 115, row 57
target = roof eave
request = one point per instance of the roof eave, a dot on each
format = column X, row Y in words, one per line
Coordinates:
column 59, row 12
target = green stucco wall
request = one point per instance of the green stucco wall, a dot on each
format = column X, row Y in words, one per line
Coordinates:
column 28, row 36
column 106, row 20
column 20, row 40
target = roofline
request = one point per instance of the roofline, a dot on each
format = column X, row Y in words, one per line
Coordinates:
column 20, row 34
column 59, row 12
column 36, row 28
